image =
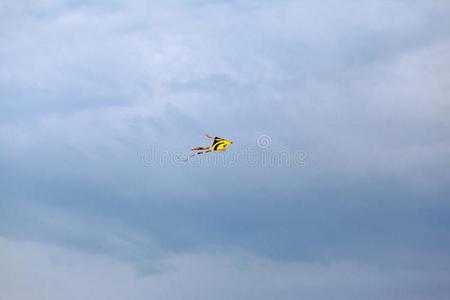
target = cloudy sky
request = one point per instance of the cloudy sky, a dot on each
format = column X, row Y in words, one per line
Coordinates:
column 337, row 185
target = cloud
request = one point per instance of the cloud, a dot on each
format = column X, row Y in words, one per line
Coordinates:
column 58, row 272
column 360, row 88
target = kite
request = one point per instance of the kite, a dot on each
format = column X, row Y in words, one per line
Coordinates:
column 219, row 144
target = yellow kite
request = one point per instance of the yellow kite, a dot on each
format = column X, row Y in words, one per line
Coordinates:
column 219, row 144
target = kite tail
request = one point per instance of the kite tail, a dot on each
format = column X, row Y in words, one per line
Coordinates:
column 197, row 153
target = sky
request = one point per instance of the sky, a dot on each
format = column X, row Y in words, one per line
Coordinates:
column 337, row 185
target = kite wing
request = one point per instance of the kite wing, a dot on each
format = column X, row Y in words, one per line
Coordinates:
column 220, row 144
